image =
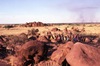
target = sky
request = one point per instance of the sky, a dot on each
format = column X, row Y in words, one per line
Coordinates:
column 49, row 11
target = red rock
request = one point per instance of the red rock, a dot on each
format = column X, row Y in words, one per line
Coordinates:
column 13, row 61
column 83, row 55
column 42, row 39
column 87, row 40
column 48, row 63
column 31, row 50
column 95, row 41
column 60, row 54
column 2, row 63
column 55, row 29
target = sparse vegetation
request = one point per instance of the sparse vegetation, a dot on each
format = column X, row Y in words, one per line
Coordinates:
column 8, row 26
column 54, row 37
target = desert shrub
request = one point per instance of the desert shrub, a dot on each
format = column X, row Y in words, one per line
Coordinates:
column 8, row 26
column 20, row 39
column 90, row 25
column 77, row 24
column 23, row 37
column 70, row 24
column 84, row 25
column 13, row 39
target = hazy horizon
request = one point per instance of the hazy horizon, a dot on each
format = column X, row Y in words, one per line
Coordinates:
column 49, row 11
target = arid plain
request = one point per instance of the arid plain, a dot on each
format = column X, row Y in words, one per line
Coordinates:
column 38, row 44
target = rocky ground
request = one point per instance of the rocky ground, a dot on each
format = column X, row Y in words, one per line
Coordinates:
column 56, row 47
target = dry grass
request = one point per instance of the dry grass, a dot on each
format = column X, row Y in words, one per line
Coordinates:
column 90, row 29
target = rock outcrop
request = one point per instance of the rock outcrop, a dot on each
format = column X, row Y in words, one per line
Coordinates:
column 31, row 52
column 61, row 52
column 83, row 55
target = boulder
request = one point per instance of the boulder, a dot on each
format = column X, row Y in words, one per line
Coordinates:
column 61, row 52
column 48, row 63
column 55, row 29
column 87, row 40
column 96, row 40
column 83, row 55
column 32, row 52
column 12, row 60
column 1, row 40
column 42, row 39
column 3, row 63
column 3, row 52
